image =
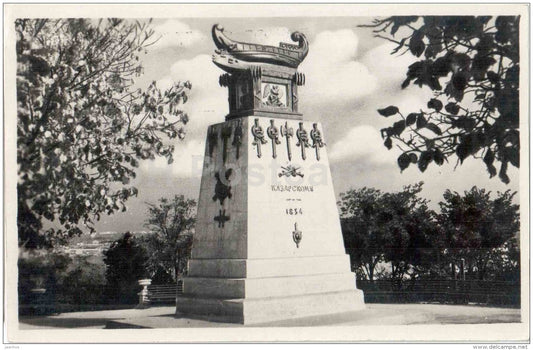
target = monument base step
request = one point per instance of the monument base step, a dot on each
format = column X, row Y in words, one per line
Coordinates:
column 263, row 310
column 271, row 267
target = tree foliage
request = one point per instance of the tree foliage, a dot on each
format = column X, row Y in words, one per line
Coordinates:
column 399, row 229
column 474, row 226
column 472, row 66
column 125, row 263
column 172, row 223
column 82, row 124
column 387, row 227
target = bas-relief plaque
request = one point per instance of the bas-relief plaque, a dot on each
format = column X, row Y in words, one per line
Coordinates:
column 274, row 95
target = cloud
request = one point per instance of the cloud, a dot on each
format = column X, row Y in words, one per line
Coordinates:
column 270, row 35
column 334, row 76
column 174, row 33
column 207, row 103
column 388, row 69
column 362, row 142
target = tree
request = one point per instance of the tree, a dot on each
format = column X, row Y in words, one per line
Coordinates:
column 363, row 236
column 410, row 232
column 125, row 264
column 476, row 228
column 394, row 227
column 472, row 66
column 172, row 223
column 83, row 282
column 83, row 125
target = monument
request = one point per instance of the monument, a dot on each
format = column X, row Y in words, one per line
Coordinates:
column 268, row 244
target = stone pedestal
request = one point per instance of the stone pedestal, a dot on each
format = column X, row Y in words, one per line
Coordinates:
column 144, row 294
column 268, row 244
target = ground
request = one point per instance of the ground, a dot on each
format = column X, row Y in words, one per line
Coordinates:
column 375, row 314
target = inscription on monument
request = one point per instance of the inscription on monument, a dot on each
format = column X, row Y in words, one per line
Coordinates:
column 294, row 188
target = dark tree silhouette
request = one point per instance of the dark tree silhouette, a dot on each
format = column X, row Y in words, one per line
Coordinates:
column 125, row 264
column 476, row 228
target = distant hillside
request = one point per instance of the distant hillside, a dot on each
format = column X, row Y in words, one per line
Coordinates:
column 95, row 244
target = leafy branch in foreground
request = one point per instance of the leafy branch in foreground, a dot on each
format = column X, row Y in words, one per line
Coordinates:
column 472, row 66
column 82, row 125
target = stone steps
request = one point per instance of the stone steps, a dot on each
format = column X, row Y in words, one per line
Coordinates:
column 263, row 310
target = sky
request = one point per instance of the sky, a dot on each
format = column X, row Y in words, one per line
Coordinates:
column 349, row 75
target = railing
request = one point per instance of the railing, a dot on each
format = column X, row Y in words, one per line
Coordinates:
column 442, row 291
column 165, row 293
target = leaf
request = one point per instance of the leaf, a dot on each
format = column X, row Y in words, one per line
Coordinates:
column 452, row 108
column 489, row 157
column 441, row 67
column 460, row 80
column 387, row 112
column 403, row 161
column 435, row 104
column 434, row 128
column 425, row 158
column 411, row 119
column 503, row 173
column 438, row 156
column 493, row 77
column 513, row 156
column 492, row 170
column 421, row 121
column 416, row 43
column 398, row 127
column 463, row 150
column 388, row 143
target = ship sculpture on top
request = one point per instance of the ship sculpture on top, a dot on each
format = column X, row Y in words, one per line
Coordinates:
column 288, row 55
column 262, row 79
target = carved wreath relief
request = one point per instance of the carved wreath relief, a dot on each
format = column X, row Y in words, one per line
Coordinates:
column 222, row 191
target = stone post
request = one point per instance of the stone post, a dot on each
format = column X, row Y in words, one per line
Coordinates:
column 144, row 294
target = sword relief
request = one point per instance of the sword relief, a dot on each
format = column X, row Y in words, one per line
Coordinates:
column 273, row 134
column 287, row 133
column 303, row 139
column 259, row 136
